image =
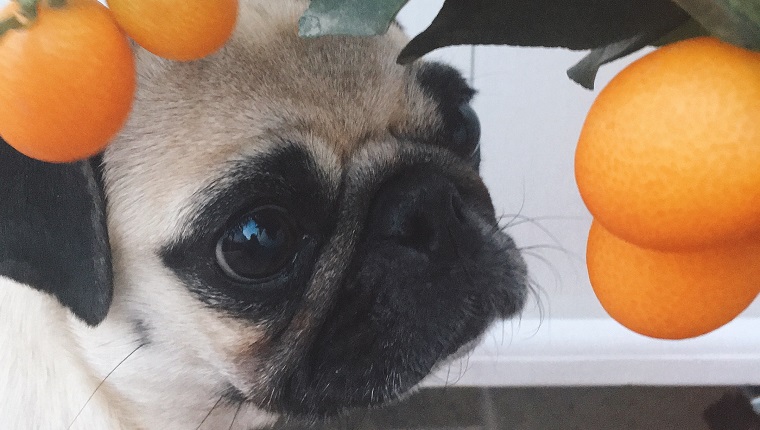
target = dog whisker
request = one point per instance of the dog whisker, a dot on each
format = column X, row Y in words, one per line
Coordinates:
column 555, row 272
column 101, row 384
column 556, row 244
column 519, row 211
column 449, row 382
column 536, row 289
column 519, row 219
column 537, row 292
column 234, row 417
column 534, row 221
column 209, row 412
column 551, row 247
column 464, row 365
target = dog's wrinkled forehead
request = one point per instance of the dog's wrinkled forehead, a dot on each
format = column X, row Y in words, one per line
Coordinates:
column 267, row 86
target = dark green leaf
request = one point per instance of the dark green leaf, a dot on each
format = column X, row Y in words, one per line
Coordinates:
column 28, row 8
column 687, row 30
column 735, row 21
column 8, row 24
column 574, row 24
column 584, row 73
column 348, row 17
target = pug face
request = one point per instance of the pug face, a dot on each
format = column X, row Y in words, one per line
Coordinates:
column 297, row 225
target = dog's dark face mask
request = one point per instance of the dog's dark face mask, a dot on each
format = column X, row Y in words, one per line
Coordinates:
column 430, row 272
column 302, row 219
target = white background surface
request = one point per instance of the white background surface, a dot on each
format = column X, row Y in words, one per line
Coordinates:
column 531, row 116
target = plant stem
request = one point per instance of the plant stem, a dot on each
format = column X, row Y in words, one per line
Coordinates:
column 28, row 8
column 733, row 21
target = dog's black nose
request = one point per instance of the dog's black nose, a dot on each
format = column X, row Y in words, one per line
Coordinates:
column 419, row 210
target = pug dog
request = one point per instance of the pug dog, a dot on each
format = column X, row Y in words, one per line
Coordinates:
column 289, row 227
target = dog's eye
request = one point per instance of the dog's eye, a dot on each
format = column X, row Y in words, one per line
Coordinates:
column 257, row 245
column 466, row 133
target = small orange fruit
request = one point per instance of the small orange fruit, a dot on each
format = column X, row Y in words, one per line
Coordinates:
column 181, row 30
column 672, row 295
column 669, row 155
column 66, row 82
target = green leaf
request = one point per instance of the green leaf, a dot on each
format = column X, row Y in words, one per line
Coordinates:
column 584, row 73
column 687, row 30
column 9, row 24
column 574, row 24
column 610, row 28
column 29, row 8
column 57, row 3
column 348, row 17
column 735, row 21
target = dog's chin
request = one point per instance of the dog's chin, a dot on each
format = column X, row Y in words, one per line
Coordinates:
column 461, row 353
column 393, row 397
column 398, row 385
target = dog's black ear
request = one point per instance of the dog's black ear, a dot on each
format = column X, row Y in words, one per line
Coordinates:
column 53, row 233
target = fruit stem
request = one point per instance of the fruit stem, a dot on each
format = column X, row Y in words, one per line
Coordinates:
column 57, row 3
column 10, row 23
column 28, row 9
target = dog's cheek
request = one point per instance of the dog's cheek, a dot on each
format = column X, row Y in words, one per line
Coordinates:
column 160, row 306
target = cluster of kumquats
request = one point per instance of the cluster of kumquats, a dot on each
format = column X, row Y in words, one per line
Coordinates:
column 68, row 72
column 668, row 162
